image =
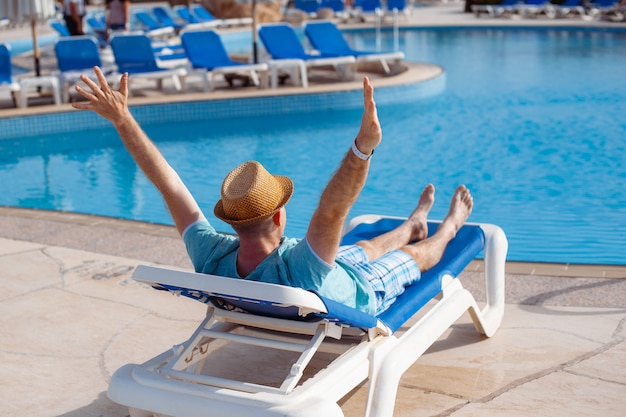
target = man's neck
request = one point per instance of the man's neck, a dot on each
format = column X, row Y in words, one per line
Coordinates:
column 253, row 251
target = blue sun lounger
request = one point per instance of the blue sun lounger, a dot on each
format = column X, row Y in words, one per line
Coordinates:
column 506, row 7
column 136, row 55
column 7, row 83
column 329, row 349
column 208, row 57
column 286, row 50
column 326, row 37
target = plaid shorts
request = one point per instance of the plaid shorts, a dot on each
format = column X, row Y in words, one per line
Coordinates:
column 387, row 275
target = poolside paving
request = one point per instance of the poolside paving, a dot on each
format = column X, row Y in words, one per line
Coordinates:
column 70, row 316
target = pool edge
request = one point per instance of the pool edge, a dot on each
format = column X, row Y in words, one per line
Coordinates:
column 166, row 231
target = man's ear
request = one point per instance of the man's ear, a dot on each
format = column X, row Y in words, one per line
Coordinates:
column 277, row 217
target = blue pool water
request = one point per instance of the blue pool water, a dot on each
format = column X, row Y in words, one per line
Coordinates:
column 531, row 120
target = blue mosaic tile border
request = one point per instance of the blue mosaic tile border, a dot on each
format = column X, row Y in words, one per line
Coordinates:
column 72, row 121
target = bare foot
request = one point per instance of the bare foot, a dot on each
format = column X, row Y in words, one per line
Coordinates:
column 420, row 214
column 460, row 210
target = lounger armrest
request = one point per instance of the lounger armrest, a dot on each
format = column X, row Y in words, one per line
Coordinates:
column 269, row 298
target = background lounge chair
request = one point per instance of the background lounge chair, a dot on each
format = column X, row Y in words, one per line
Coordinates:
column 99, row 29
column 201, row 13
column 366, row 9
column 570, row 8
column 165, row 19
column 134, row 54
column 77, row 55
column 606, row 9
column 184, row 13
column 59, row 27
column 204, row 16
column 310, row 7
column 507, row 7
column 282, row 43
column 337, row 6
column 7, row 83
column 207, row 54
column 153, row 28
column 328, row 39
column 193, row 22
column 534, row 8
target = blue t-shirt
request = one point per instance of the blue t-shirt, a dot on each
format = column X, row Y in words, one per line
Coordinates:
column 293, row 264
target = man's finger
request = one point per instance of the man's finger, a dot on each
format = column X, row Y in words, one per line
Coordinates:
column 101, row 78
column 82, row 106
column 89, row 96
column 89, row 82
column 124, row 84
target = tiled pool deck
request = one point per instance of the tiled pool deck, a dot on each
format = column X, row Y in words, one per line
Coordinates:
column 70, row 316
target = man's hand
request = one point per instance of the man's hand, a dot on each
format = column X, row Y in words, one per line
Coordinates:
column 108, row 103
column 370, row 134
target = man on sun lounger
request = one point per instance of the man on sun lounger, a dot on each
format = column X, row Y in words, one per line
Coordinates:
column 368, row 276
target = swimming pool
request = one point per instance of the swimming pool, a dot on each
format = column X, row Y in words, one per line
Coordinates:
column 530, row 120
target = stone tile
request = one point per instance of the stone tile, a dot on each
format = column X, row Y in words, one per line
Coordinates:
column 125, row 290
column 559, row 394
column 55, row 322
column 10, row 246
column 28, row 271
column 602, row 365
column 464, row 364
column 410, row 402
column 66, row 385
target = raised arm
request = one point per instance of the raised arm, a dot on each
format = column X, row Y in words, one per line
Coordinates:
column 324, row 233
column 113, row 106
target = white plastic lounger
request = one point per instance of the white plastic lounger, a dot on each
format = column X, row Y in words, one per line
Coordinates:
column 303, row 326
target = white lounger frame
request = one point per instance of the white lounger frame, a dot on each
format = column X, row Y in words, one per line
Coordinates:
column 171, row 384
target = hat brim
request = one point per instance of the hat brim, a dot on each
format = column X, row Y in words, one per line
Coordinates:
column 286, row 185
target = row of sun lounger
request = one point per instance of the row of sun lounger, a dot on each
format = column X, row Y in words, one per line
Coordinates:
column 354, row 9
column 201, row 52
column 588, row 10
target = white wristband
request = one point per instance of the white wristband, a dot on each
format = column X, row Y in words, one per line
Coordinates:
column 360, row 154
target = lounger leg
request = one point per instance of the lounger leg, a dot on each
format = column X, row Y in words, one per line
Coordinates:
column 397, row 66
column 210, row 80
column 304, row 76
column 66, row 92
column 391, row 359
column 16, row 97
column 254, row 77
column 22, row 98
column 177, row 83
column 496, row 247
column 273, row 77
column 385, row 66
column 263, row 79
column 206, row 83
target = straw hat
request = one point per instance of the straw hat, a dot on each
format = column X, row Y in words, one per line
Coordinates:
column 250, row 193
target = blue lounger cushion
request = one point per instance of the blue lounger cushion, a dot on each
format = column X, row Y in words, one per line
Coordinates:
column 468, row 243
